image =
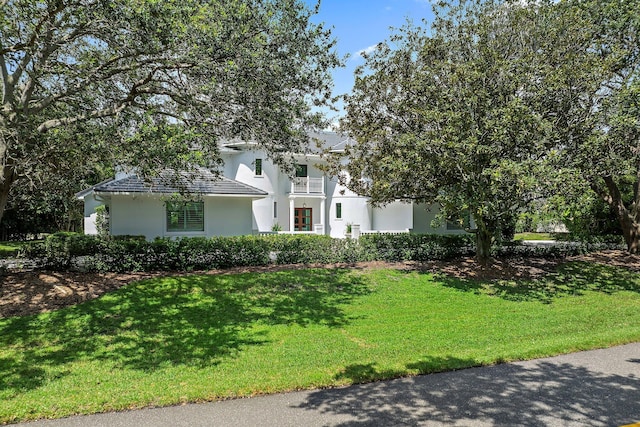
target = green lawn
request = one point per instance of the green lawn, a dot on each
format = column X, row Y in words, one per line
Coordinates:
column 9, row 249
column 171, row 340
column 534, row 236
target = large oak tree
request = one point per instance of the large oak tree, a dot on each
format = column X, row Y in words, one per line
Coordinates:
column 445, row 116
column 166, row 80
column 589, row 89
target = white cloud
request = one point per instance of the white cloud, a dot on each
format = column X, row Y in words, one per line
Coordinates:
column 364, row 51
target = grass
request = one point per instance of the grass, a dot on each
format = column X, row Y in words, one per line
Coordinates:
column 187, row 339
column 9, row 249
column 534, row 236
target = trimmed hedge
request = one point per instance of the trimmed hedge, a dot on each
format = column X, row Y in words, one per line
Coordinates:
column 419, row 247
column 558, row 250
column 317, row 249
column 70, row 251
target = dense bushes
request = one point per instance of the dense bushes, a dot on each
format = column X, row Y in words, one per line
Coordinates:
column 418, row 247
column 64, row 251
column 557, row 250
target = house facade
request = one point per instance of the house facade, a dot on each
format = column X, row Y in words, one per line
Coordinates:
column 252, row 196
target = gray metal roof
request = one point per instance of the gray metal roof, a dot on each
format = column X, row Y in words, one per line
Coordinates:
column 200, row 182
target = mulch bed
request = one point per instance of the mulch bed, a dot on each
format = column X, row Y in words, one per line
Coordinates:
column 28, row 292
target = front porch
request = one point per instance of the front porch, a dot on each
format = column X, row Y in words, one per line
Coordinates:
column 307, row 215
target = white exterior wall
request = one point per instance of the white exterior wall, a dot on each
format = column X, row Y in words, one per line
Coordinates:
column 227, row 216
column 145, row 215
column 355, row 210
column 243, row 170
column 423, row 217
column 396, row 216
column 90, row 205
column 140, row 215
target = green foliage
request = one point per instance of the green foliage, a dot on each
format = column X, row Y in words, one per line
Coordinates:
column 156, row 84
column 102, row 221
column 276, row 227
column 418, row 247
column 442, row 116
column 558, row 250
column 10, row 249
column 592, row 54
column 316, row 249
column 62, row 248
column 63, row 251
column 197, row 253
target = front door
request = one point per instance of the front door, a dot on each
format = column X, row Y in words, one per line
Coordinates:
column 303, row 219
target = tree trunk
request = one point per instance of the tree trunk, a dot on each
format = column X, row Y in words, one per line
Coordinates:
column 629, row 218
column 7, row 178
column 483, row 245
column 630, row 231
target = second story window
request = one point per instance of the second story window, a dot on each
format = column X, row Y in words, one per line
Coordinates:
column 301, row 171
column 258, row 164
column 338, row 210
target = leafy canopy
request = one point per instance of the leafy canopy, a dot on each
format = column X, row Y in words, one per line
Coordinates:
column 169, row 79
column 444, row 115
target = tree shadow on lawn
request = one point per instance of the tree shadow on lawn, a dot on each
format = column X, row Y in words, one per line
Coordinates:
column 570, row 279
column 191, row 320
column 543, row 393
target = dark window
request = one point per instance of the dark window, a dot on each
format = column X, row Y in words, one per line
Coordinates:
column 187, row 216
column 338, row 210
column 301, row 171
column 275, row 209
column 258, row 167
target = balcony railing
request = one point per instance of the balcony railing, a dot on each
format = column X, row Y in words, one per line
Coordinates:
column 306, row 185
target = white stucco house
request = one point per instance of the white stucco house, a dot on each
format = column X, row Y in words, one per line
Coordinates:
column 252, row 196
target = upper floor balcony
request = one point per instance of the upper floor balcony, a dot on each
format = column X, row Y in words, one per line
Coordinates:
column 307, row 185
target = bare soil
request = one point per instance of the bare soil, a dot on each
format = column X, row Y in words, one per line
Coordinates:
column 28, row 292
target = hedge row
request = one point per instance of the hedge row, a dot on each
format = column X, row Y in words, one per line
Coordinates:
column 69, row 251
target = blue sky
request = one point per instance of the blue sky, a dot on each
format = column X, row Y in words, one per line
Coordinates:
column 361, row 24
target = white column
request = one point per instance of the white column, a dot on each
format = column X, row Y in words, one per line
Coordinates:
column 355, row 231
column 323, row 213
column 291, row 214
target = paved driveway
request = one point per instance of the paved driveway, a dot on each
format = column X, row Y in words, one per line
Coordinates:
column 591, row 388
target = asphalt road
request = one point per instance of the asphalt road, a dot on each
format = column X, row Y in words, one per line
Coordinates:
column 591, row 388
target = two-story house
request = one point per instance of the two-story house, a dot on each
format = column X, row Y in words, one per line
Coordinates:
column 253, row 195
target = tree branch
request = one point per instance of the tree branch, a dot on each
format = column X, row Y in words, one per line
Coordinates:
column 97, row 74
column 7, row 90
column 136, row 89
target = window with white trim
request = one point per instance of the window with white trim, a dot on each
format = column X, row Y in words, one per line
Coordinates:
column 258, row 169
column 185, row 216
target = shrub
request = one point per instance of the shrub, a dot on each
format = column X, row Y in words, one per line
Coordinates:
column 63, row 251
column 60, row 249
column 102, row 220
column 186, row 254
column 418, row 247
